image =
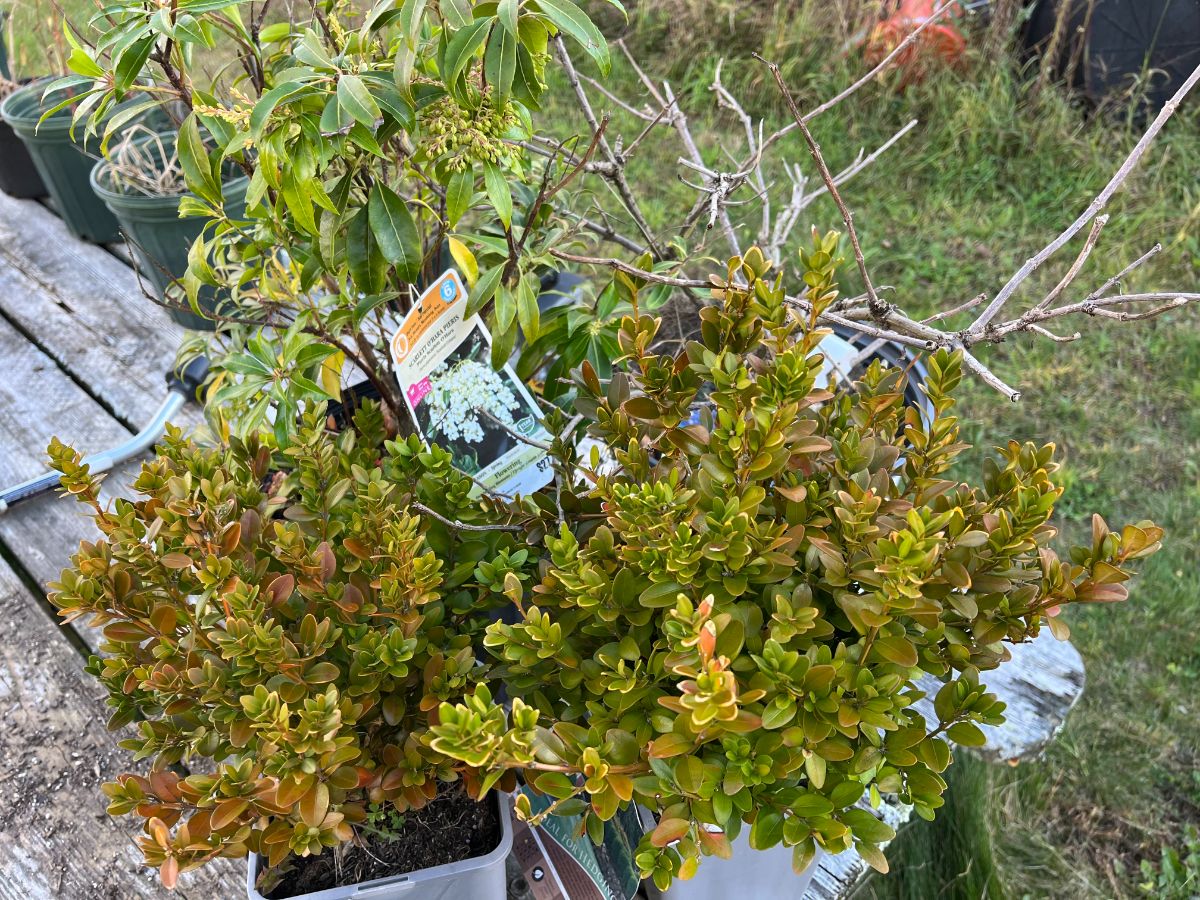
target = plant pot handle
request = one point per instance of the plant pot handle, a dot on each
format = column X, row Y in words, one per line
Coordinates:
column 388, row 886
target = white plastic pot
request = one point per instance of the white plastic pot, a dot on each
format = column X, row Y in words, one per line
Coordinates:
column 760, row 874
column 478, row 878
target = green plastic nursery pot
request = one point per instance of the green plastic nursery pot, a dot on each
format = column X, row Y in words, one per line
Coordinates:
column 158, row 238
column 63, row 163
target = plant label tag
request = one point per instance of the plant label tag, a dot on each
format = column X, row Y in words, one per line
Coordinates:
column 561, row 863
column 484, row 418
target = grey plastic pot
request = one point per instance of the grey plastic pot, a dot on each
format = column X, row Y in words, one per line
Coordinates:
column 479, row 878
column 158, row 238
column 62, row 162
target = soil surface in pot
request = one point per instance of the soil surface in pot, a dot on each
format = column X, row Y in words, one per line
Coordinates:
column 452, row 828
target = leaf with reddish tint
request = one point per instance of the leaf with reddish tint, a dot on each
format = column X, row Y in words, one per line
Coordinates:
column 291, row 790
column 321, row 673
column 715, row 843
column 128, row 632
column 280, row 589
column 168, row 872
column 227, row 812
column 176, row 561
column 668, row 831
column 670, row 745
column 157, row 829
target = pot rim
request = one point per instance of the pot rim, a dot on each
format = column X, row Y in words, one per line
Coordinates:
column 151, row 202
column 23, row 110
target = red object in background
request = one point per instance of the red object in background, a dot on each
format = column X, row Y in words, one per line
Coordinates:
column 940, row 43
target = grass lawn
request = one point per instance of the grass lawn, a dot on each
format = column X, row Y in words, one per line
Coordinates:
column 990, row 175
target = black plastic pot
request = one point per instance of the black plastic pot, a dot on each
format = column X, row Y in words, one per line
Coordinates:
column 1120, row 40
column 62, row 162
column 18, row 175
column 158, row 237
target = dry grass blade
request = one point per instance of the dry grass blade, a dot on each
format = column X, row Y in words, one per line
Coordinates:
column 142, row 163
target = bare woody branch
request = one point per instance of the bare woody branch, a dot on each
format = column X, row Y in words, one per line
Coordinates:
column 1135, row 155
column 879, row 307
column 616, row 173
column 871, row 314
column 870, row 76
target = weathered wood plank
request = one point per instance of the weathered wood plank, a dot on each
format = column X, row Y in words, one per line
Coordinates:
column 37, row 401
column 58, row 841
column 83, row 306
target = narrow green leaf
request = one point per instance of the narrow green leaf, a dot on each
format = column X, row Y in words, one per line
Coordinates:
column 506, row 12
column 267, row 103
column 498, row 192
column 500, row 63
column 275, row 33
column 462, row 49
column 527, row 87
column 457, row 12
column 485, row 289
column 411, row 14
column 298, row 202
column 459, row 193
column 504, row 308
column 132, row 61
column 396, row 231
column 527, row 306
column 355, row 99
column 503, row 342
column 368, row 267
column 83, row 64
column 573, row 21
column 193, row 158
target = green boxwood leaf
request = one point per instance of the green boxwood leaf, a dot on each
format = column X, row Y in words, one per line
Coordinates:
column 767, row 830
column 867, row 827
column 966, row 733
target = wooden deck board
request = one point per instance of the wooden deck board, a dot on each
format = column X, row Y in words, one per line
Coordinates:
column 83, row 306
column 58, row 841
column 37, row 401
